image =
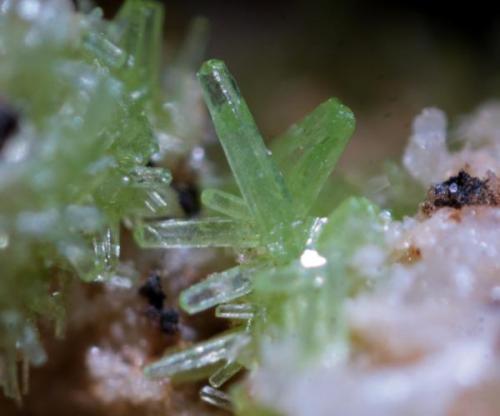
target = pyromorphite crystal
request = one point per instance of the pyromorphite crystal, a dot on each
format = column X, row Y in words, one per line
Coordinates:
column 217, row 288
column 310, row 149
column 257, row 176
column 213, row 232
column 225, row 203
column 192, row 362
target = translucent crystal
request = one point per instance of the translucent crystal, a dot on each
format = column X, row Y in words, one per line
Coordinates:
column 256, row 174
column 355, row 221
column 107, row 251
column 103, row 49
column 150, row 187
column 141, row 22
column 191, row 362
column 213, row 232
column 225, row 373
column 18, row 337
column 240, row 311
column 225, row 203
column 310, row 149
column 87, row 96
column 216, row 398
column 193, row 48
column 216, row 288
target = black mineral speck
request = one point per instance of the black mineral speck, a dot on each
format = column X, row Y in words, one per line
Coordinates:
column 169, row 319
column 153, row 292
column 460, row 190
column 189, row 198
column 9, row 121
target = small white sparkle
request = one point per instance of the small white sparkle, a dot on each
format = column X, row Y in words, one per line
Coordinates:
column 311, row 259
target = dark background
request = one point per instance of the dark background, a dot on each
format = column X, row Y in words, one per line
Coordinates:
column 386, row 60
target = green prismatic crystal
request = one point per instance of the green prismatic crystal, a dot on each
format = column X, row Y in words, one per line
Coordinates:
column 308, row 151
column 213, row 232
column 225, row 203
column 217, row 288
column 194, row 361
column 255, row 172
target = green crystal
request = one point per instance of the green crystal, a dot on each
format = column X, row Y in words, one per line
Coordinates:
column 213, row 232
column 225, row 373
column 89, row 96
column 310, row 149
column 193, row 362
column 217, row 288
column 216, row 398
column 225, row 203
column 239, row 311
column 258, row 178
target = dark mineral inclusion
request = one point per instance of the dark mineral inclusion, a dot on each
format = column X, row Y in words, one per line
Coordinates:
column 461, row 190
column 168, row 318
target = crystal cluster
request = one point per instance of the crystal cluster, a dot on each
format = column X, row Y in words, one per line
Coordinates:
column 286, row 253
column 83, row 111
column 352, row 312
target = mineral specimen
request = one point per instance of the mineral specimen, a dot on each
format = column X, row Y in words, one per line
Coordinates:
column 328, row 315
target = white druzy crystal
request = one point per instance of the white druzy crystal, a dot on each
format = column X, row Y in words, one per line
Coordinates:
column 426, row 154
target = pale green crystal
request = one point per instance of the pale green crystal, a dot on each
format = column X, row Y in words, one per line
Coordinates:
column 225, row 373
column 193, row 362
column 310, row 149
column 225, row 203
column 217, row 288
column 239, row 311
column 213, row 232
column 306, row 300
column 89, row 96
column 260, row 182
column 216, row 398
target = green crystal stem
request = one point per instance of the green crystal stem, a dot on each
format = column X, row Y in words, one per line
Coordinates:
column 142, row 40
column 151, row 186
column 225, row 203
column 107, row 251
column 216, row 288
column 239, row 311
column 195, row 44
column 8, row 376
column 196, row 358
column 213, row 232
column 308, row 152
column 104, row 50
column 256, row 174
column 225, row 373
column 216, row 398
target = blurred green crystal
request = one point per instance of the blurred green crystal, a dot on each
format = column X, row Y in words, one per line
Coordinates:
column 89, row 94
